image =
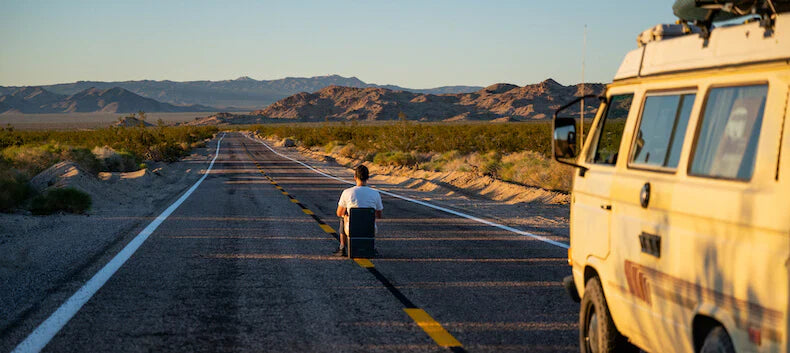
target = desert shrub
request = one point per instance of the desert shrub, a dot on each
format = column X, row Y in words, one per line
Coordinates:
column 9, row 138
column 166, row 152
column 33, row 151
column 85, row 159
column 115, row 161
column 14, row 189
column 56, row 200
column 491, row 164
column 30, row 159
column 530, row 168
column 422, row 137
column 398, row 159
column 331, row 146
column 438, row 161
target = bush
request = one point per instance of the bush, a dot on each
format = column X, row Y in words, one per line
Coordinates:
column 86, row 159
column 398, row 159
column 31, row 159
column 421, row 137
column 66, row 199
column 167, row 152
column 14, row 190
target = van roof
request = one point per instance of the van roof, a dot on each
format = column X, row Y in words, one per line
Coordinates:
column 727, row 46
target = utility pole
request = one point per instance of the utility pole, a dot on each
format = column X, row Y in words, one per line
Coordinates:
column 581, row 110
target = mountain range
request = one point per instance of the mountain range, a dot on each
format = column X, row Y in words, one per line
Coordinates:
column 241, row 94
column 505, row 102
column 31, row 100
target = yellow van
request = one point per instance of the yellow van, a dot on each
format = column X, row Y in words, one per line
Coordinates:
column 680, row 211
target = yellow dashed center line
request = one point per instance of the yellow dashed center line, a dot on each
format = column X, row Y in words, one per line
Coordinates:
column 363, row 262
column 294, row 200
column 432, row 328
column 327, row 228
column 306, row 211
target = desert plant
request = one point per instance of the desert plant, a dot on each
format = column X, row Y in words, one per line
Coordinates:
column 86, row 159
column 56, row 200
column 398, row 159
column 14, row 190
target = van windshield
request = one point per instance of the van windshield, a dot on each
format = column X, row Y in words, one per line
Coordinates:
column 610, row 131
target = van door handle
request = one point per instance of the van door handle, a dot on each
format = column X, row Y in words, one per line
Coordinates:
column 606, row 207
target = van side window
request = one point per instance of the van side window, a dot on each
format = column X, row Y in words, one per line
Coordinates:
column 609, row 132
column 662, row 128
column 729, row 131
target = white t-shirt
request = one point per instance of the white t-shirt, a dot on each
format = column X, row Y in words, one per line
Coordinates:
column 362, row 197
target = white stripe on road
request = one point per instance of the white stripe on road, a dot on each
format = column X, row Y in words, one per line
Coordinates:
column 426, row 204
column 39, row 338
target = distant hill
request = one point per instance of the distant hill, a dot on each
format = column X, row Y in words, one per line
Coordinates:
column 131, row 121
column 243, row 93
column 501, row 102
column 28, row 100
column 112, row 100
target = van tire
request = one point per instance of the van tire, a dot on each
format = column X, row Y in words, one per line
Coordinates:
column 597, row 333
column 717, row 341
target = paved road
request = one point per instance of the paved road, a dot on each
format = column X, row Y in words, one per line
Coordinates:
column 240, row 266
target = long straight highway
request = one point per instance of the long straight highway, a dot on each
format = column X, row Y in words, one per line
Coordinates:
column 244, row 264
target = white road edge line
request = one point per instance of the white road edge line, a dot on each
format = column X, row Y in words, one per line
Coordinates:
column 41, row 336
column 426, row 204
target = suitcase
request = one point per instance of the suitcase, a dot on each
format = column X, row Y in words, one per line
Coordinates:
column 361, row 232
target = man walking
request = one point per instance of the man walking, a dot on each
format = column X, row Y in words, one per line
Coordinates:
column 357, row 196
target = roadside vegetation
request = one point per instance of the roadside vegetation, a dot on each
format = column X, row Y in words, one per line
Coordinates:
column 513, row 152
column 23, row 154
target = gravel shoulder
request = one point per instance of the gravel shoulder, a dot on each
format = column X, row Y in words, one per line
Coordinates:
column 45, row 257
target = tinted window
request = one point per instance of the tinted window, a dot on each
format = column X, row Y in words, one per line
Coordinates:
column 729, row 132
column 610, row 130
column 662, row 128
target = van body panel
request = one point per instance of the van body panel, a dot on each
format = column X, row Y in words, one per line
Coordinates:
column 724, row 248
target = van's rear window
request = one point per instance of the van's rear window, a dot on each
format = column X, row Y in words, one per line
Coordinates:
column 727, row 141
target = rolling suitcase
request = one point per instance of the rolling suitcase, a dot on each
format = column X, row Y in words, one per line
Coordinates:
column 361, row 232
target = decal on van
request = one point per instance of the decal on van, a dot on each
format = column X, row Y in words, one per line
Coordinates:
column 746, row 315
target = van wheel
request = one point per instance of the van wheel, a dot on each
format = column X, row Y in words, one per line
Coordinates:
column 717, row 341
column 597, row 333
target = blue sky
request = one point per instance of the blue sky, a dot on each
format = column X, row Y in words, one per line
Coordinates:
column 415, row 44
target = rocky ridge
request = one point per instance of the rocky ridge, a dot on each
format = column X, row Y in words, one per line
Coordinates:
column 31, row 100
column 501, row 102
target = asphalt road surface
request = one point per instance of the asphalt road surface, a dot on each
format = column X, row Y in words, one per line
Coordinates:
column 243, row 265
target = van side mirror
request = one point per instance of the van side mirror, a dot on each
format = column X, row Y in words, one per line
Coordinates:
column 565, row 140
column 566, row 143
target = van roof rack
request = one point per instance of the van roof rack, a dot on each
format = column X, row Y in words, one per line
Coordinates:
column 702, row 13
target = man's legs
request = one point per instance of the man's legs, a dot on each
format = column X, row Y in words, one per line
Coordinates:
column 342, row 250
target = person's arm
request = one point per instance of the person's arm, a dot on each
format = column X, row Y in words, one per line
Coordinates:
column 379, row 206
column 342, row 203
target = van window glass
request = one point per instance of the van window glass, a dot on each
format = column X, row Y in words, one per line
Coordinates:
column 729, row 132
column 610, row 130
column 662, row 128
